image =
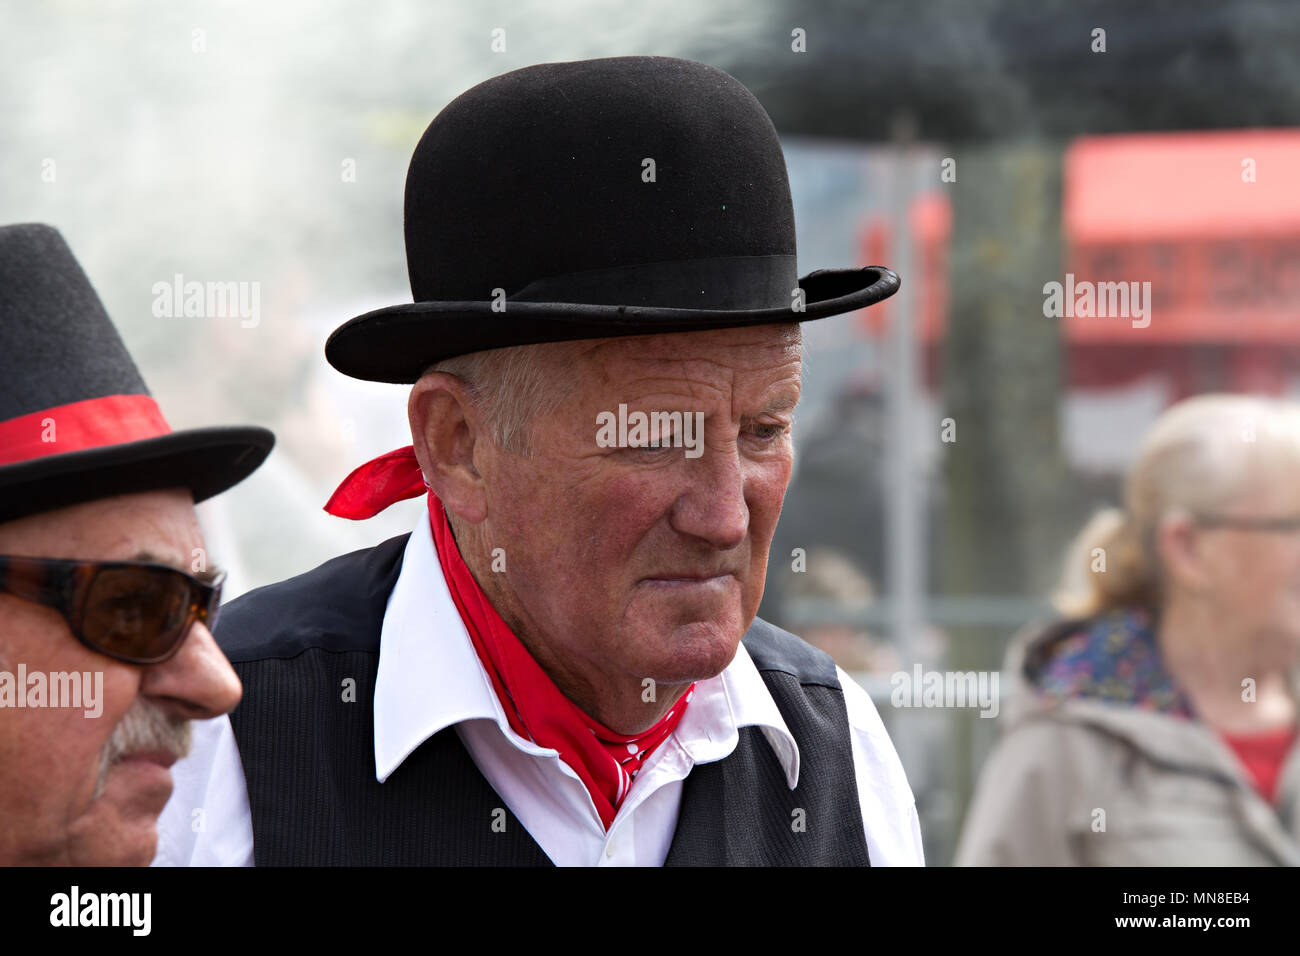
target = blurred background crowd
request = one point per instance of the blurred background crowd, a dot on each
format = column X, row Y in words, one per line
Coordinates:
column 953, row 446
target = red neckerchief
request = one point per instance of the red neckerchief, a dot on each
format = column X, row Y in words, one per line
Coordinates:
column 537, row 710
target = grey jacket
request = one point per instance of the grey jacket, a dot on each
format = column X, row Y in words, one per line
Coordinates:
column 1085, row 781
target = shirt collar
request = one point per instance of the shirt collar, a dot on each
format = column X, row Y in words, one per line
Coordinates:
column 430, row 678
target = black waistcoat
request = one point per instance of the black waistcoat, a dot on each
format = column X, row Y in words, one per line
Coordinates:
column 309, row 755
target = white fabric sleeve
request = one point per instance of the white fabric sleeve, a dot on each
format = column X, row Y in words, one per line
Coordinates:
column 888, row 807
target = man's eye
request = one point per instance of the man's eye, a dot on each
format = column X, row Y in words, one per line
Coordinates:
column 767, row 433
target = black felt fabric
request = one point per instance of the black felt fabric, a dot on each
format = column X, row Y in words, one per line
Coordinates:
column 538, row 172
column 57, row 344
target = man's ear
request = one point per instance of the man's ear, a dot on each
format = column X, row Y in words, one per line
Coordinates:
column 445, row 428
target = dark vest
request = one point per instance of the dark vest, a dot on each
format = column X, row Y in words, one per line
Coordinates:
column 309, row 755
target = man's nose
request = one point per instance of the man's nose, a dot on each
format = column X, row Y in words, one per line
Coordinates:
column 714, row 507
column 198, row 682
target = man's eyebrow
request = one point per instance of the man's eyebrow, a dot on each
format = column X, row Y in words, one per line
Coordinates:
column 207, row 576
column 783, row 404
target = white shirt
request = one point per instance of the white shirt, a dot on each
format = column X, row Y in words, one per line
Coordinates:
column 430, row 678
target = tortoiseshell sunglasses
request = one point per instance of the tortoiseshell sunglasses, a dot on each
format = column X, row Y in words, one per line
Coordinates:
column 132, row 611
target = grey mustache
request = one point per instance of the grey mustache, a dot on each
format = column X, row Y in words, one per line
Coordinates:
column 145, row 727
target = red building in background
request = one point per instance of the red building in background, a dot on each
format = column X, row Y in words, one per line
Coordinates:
column 1211, row 220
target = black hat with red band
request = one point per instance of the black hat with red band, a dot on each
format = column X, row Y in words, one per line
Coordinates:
column 76, row 420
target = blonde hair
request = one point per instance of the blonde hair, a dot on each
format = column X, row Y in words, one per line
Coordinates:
column 1200, row 456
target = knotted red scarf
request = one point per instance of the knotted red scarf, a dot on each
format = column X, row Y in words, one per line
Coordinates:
column 605, row 761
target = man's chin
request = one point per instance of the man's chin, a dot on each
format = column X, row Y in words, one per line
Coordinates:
column 694, row 650
column 127, row 843
column 120, row 827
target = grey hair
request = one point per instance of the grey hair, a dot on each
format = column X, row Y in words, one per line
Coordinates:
column 1200, row 456
column 514, row 386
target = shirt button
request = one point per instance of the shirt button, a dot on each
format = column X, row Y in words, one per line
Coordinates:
column 609, row 850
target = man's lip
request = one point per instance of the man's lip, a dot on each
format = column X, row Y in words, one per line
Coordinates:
column 162, row 758
column 687, row 578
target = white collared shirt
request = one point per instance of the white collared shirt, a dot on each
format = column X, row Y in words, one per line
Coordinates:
column 430, row 678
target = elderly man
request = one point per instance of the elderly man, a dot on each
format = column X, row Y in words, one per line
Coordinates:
column 562, row 664
column 105, row 595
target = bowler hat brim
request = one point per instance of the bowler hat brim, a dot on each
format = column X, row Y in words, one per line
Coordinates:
column 207, row 461
column 398, row 343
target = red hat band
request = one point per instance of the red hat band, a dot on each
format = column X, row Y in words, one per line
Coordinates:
column 78, row 426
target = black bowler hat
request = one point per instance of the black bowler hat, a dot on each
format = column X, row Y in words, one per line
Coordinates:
column 619, row 196
column 76, row 420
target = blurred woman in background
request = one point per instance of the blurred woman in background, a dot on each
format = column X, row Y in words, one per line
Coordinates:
column 1155, row 722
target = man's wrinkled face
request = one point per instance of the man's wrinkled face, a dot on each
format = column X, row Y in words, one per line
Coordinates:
column 87, row 790
column 642, row 562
